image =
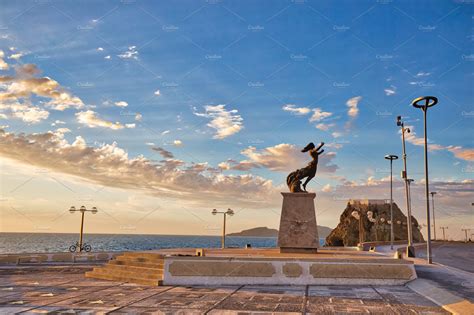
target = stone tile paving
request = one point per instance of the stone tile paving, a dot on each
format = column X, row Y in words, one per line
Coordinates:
column 66, row 291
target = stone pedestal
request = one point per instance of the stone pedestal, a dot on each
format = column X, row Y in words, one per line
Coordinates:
column 298, row 230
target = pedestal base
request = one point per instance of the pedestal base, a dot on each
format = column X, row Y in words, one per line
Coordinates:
column 298, row 231
column 296, row 250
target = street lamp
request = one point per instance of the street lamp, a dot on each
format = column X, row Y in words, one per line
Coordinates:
column 83, row 210
column 410, row 249
column 444, row 235
column 428, row 101
column 432, row 210
column 391, row 157
column 225, row 213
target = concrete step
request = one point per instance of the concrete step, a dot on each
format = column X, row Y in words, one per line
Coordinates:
column 123, row 272
column 147, row 256
column 135, row 269
column 104, row 276
column 135, row 261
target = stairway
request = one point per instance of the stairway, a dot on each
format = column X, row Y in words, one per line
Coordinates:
column 133, row 267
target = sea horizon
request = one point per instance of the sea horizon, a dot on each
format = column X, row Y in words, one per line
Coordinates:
column 47, row 242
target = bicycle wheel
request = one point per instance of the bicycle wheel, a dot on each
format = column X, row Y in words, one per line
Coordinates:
column 72, row 248
column 87, row 248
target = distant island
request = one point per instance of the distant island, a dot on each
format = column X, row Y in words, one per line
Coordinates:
column 263, row 231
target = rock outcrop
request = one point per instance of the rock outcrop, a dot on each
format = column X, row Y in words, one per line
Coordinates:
column 375, row 225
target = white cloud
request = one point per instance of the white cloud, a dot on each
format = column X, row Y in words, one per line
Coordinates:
column 3, row 64
column 459, row 152
column 353, row 103
column 107, row 57
column 281, row 157
column 337, row 134
column 423, row 74
column 90, row 119
column 224, row 166
column 178, row 143
column 109, row 165
column 24, row 84
column 296, row 110
column 24, row 111
column 138, row 117
column 392, row 90
column 58, row 122
column 157, row 92
column 165, row 132
column 319, row 115
column 31, row 114
column 100, row 49
column 16, row 56
column 121, row 104
column 324, row 127
column 130, row 53
column 225, row 122
column 327, row 188
column 130, row 126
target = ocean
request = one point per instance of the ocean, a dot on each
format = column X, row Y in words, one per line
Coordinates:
column 58, row 242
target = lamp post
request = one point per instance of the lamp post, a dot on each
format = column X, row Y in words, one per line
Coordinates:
column 428, row 101
column 357, row 214
column 391, row 157
column 465, row 232
column 410, row 249
column 444, row 235
column 83, row 210
column 225, row 213
column 434, row 219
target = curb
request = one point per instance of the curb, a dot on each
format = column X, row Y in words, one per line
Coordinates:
column 444, row 298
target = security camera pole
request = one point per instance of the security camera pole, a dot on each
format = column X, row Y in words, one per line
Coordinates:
column 225, row 213
column 410, row 252
column 391, row 157
column 428, row 101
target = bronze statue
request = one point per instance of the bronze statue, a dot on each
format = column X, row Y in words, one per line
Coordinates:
column 294, row 178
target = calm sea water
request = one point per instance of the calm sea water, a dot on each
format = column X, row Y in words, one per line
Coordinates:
column 51, row 242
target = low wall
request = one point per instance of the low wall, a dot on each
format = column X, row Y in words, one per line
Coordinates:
column 273, row 271
column 45, row 258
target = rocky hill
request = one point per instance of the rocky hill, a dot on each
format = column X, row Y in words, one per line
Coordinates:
column 323, row 231
column 375, row 225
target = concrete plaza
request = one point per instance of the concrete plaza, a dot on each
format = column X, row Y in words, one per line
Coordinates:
column 65, row 290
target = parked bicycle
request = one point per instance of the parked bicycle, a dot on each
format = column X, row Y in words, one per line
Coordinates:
column 86, row 247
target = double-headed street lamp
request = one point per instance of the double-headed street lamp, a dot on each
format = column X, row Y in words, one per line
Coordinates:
column 225, row 213
column 410, row 249
column 433, row 193
column 391, row 157
column 424, row 103
column 83, row 210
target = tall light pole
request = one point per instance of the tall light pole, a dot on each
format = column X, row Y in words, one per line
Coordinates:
column 444, row 235
column 391, row 157
column 410, row 252
column 83, row 210
column 465, row 232
column 428, row 101
column 433, row 193
column 225, row 213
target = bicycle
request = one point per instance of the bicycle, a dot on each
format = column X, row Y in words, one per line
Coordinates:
column 86, row 247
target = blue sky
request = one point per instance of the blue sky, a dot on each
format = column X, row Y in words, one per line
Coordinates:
column 226, row 71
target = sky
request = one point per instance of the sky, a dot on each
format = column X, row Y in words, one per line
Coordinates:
column 158, row 112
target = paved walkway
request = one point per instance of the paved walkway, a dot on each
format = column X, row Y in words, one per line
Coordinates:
column 64, row 289
column 458, row 255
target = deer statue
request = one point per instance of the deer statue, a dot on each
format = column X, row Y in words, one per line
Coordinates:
column 294, row 178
